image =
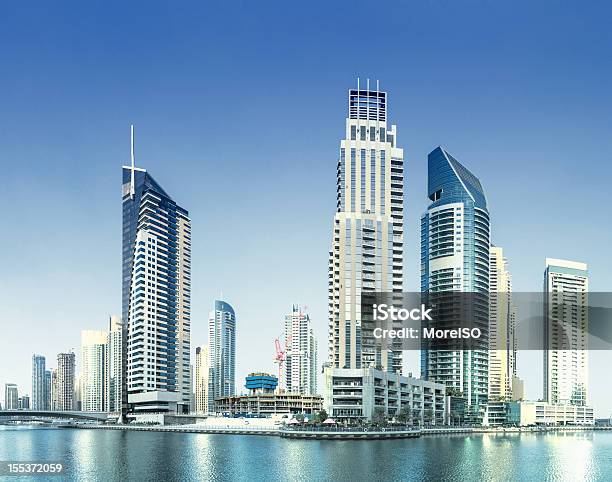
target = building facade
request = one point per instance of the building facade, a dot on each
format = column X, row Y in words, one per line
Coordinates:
column 363, row 392
column 156, row 294
column 257, row 383
column 270, row 404
column 566, row 286
column 502, row 318
column 65, row 381
column 53, row 396
column 543, row 413
column 202, row 376
column 39, row 395
column 113, row 370
column 48, row 390
column 222, row 339
column 24, row 402
column 301, row 353
column 93, row 370
column 455, row 244
column 11, row 396
column 367, row 243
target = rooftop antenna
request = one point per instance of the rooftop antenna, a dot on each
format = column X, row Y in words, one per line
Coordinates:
column 132, row 187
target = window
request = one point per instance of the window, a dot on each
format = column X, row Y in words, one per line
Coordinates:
column 353, row 133
column 372, row 133
column 362, row 133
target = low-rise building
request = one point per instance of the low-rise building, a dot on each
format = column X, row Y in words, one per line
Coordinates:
column 543, row 413
column 269, row 404
column 496, row 414
column 358, row 394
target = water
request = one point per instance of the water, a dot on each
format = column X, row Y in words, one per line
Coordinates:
column 118, row 455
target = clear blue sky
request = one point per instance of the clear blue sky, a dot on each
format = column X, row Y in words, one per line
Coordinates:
column 239, row 109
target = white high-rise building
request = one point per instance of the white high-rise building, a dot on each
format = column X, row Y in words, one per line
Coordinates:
column 502, row 315
column 11, row 396
column 65, row 381
column 156, row 295
column 114, row 356
column 301, row 353
column 566, row 286
column 367, row 243
column 222, row 345
column 93, row 370
column 202, row 369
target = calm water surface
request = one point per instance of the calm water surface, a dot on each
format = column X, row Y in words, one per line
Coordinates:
column 118, row 455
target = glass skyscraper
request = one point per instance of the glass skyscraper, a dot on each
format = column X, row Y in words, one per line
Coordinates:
column 367, row 242
column 222, row 346
column 39, row 396
column 455, row 249
column 156, row 295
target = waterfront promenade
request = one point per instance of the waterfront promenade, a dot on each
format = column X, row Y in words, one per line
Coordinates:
column 334, row 433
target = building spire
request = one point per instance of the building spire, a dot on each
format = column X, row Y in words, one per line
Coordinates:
column 132, row 186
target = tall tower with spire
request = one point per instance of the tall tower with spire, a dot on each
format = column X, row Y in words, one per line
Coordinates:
column 367, row 243
column 156, row 294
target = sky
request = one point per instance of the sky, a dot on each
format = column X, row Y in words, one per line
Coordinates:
column 239, row 108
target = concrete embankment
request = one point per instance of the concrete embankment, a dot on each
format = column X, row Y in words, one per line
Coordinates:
column 332, row 433
column 323, row 433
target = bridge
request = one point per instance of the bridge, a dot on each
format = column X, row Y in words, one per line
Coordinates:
column 37, row 414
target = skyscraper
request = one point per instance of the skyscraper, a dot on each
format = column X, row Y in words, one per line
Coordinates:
column 11, row 397
column 222, row 345
column 65, row 381
column 367, row 242
column 156, row 294
column 502, row 314
column 53, row 395
column 301, row 353
column 202, row 369
column 38, row 382
column 48, row 390
column 24, row 402
column 93, row 370
column 455, row 245
column 114, row 372
column 566, row 286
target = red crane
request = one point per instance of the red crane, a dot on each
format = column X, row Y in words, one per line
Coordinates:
column 279, row 358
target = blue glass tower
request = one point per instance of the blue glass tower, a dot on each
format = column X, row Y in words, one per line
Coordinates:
column 222, row 342
column 39, row 395
column 156, row 292
column 455, row 248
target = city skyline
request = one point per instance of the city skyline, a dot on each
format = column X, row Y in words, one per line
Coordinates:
column 547, row 130
column 129, row 185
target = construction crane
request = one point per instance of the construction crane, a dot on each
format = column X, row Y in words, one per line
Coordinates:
column 279, row 358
